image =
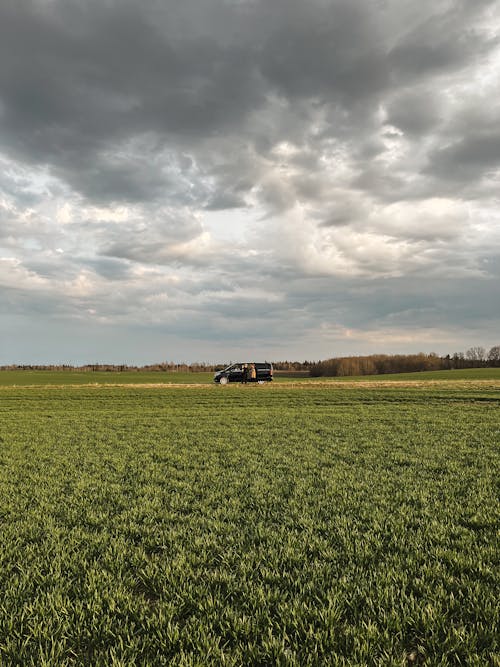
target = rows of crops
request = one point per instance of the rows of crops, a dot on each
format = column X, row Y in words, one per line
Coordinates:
column 258, row 526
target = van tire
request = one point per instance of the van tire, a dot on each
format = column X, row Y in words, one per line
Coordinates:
column 223, row 381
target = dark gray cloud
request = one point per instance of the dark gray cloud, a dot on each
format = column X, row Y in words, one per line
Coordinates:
column 444, row 41
column 416, row 111
column 195, row 169
column 467, row 159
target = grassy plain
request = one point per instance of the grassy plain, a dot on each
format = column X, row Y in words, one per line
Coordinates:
column 23, row 378
column 249, row 525
column 451, row 375
column 38, row 378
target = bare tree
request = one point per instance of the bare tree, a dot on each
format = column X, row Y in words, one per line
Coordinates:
column 494, row 355
column 476, row 355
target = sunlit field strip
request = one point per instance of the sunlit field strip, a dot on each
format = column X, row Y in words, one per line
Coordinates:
column 242, row 526
column 289, row 385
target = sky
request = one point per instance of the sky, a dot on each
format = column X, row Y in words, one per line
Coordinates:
column 210, row 180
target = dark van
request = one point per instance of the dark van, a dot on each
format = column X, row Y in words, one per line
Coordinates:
column 235, row 373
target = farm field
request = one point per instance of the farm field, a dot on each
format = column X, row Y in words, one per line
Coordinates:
column 36, row 378
column 249, row 526
column 40, row 378
column 451, row 375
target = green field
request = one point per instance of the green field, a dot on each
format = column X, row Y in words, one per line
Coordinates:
column 462, row 374
column 249, row 526
column 36, row 378
column 23, row 378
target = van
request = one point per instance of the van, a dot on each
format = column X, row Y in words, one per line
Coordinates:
column 235, row 372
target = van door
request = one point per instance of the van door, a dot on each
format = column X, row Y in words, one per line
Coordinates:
column 235, row 373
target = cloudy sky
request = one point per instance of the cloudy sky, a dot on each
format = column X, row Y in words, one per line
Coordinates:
column 215, row 179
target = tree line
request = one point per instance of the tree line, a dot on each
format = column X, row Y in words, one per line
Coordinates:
column 169, row 366
column 379, row 364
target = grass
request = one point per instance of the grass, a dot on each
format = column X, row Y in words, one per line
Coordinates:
column 39, row 378
column 256, row 526
column 23, row 378
column 451, row 375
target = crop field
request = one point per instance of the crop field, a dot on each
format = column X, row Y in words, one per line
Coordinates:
column 451, row 375
column 23, row 378
column 275, row 525
column 56, row 378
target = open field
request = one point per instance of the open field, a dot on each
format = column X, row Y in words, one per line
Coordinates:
column 342, row 525
column 461, row 374
column 38, row 378
column 56, row 378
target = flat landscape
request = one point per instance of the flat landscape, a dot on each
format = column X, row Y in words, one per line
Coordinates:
column 302, row 523
column 37, row 378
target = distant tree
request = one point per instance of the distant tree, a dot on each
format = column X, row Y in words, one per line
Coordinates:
column 476, row 355
column 447, row 362
column 494, row 356
column 458, row 360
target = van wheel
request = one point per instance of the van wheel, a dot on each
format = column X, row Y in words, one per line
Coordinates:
column 223, row 381
column 261, row 381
